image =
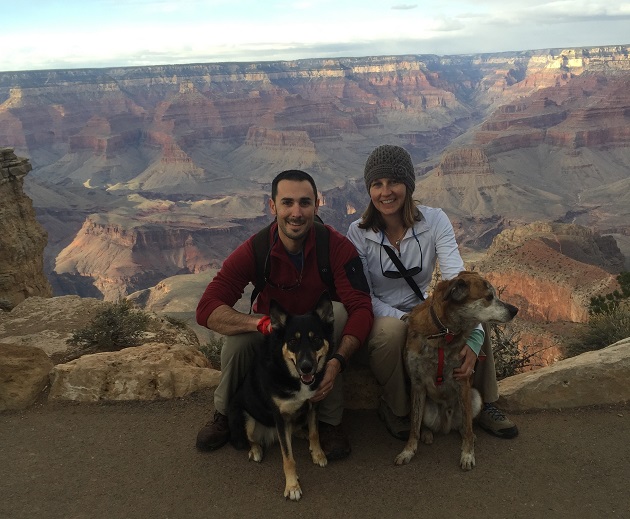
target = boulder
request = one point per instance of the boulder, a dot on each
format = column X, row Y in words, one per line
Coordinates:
column 146, row 372
column 593, row 378
column 23, row 375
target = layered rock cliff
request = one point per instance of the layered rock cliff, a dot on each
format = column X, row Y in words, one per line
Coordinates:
column 22, row 238
column 498, row 140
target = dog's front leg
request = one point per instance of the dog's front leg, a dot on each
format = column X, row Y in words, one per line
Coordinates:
column 418, row 400
column 467, row 459
column 317, row 454
column 292, row 488
column 255, row 448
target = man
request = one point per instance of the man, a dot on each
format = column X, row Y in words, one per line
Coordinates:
column 294, row 281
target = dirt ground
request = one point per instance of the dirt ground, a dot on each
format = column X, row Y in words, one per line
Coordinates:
column 138, row 460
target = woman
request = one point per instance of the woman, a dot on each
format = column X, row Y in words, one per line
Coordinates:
column 417, row 236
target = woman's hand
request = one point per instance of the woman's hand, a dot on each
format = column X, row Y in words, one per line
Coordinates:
column 469, row 358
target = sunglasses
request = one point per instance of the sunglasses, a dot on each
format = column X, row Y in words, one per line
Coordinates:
column 396, row 274
column 267, row 272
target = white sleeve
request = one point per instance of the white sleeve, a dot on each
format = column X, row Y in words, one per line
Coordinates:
column 451, row 262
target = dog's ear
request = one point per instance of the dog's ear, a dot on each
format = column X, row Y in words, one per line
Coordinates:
column 278, row 316
column 458, row 291
column 324, row 309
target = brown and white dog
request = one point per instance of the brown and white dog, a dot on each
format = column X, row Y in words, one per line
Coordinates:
column 438, row 329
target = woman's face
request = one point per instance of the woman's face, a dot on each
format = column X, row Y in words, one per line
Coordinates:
column 388, row 195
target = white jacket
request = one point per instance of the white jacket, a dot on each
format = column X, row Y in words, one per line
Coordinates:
column 433, row 235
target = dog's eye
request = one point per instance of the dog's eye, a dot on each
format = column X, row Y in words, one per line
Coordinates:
column 292, row 343
column 489, row 297
column 318, row 342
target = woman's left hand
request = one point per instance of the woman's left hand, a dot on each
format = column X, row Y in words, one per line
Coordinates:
column 469, row 358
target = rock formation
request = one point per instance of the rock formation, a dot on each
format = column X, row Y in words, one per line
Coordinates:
column 22, row 238
column 593, row 378
column 169, row 365
column 552, row 270
column 33, row 336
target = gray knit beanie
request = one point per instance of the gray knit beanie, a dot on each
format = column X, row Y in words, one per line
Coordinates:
column 393, row 162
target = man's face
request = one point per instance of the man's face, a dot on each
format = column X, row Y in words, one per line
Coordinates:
column 295, row 207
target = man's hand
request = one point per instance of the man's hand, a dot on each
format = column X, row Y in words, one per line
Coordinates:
column 467, row 368
column 332, row 370
column 264, row 325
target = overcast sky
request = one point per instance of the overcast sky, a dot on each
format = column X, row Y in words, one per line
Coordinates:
column 41, row 34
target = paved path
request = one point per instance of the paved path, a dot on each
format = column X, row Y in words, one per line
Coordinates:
column 137, row 460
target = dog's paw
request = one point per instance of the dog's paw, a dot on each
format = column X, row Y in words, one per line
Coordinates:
column 293, row 492
column 467, row 460
column 319, row 458
column 404, row 457
column 426, row 436
column 256, row 453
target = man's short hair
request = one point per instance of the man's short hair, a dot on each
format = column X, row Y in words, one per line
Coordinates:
column 291, row 174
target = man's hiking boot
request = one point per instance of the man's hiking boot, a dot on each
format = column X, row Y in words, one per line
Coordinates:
column 334, row 441
column 492, row 420
column 214, row 434
column 398, row 426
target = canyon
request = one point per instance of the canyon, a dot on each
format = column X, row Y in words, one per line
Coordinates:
column 145, row 173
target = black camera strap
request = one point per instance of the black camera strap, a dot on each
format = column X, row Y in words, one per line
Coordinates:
column 401, row 268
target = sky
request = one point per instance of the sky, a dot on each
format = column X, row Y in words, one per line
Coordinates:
column 66, row 34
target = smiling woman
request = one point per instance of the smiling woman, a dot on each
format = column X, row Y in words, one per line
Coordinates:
column 421, row 236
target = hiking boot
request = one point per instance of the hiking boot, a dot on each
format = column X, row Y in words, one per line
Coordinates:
column 334, row 441
column 492, row 420
column 398, row 426
column 214, row 434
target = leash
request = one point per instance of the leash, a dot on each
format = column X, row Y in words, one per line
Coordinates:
column 448, row 337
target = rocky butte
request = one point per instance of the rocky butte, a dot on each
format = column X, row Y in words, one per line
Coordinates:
column 22, row 238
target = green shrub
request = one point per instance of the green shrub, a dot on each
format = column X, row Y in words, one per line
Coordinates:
column 604, row 329
column 177, row 322
column 212, row 351
column 510, row 357
column 610, row 302
column 609, row 320
column 117, row 327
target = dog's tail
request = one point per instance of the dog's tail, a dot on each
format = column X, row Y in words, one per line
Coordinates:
column 236, row 420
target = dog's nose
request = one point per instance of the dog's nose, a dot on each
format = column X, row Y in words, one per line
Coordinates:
column 306, row 366
column 512, row 309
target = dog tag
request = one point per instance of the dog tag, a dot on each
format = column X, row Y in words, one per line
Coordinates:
column 449, row 336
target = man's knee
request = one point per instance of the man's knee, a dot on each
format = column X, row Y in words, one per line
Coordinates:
column 240, row 346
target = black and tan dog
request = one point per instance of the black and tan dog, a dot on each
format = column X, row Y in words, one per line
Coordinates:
column 275, row 396
column 438, row 329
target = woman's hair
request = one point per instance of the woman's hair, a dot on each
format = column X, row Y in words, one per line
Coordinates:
column 372, row 219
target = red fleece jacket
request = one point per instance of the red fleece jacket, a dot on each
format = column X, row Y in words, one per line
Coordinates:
column 351, row 287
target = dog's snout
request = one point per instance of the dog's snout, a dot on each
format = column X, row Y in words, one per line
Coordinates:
column 512, row 309
column 306, row 366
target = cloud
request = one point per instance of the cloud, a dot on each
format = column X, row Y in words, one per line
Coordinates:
column 404, row 7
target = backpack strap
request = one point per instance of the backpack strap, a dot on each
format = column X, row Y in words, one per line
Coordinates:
column 261, row 244
column 261, row 247
column 322, row 249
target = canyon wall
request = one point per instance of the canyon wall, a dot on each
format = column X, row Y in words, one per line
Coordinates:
column 136, row 170
column 22, row 238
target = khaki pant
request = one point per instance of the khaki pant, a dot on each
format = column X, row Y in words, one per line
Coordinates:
column 384, row 356
column 237, row 355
